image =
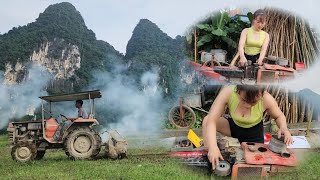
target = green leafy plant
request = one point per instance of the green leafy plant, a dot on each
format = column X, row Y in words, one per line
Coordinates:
column 220, row 31
column 199, row 118
column 215, row 29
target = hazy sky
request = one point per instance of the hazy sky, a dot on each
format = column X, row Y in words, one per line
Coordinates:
column 113, row 21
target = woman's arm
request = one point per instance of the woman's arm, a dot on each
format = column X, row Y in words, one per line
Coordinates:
column 263, row 49
column 274, row 111
column 242, row 42
column 216, row 111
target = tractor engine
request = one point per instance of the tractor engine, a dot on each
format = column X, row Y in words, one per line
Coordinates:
column 24, row 140
column 24, row 131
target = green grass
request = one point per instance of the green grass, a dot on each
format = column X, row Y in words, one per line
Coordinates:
column 55, row 165
column 3, row 141
column 308, row 169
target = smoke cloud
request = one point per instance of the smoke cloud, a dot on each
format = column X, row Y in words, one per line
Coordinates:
column 22, row 99
column 130, row 108
column 307, row 79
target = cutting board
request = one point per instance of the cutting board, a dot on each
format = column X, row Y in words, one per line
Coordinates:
column 277, row 67
column 267, row 157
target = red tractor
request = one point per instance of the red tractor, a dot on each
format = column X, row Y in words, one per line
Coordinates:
column 30, row 140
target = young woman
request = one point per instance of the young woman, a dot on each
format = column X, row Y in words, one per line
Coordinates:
column 246, row 105
column 254, row 41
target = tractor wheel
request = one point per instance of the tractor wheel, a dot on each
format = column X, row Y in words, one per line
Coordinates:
column 24, row 152
column 82, row 143
column 188, row 119
column 67, row 153
column 98, row 138
column 40, row 155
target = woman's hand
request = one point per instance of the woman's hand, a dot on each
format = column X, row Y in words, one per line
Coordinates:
column 214, row 155
column 260, row 62
column 287, row 136
column 242, row 61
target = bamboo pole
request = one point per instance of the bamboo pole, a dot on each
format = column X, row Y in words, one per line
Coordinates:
column 292, row 109
column 288, row 113
column 297, row 109
column 293, row 41
column 290, row 38
column 309, row 121
column 303, row 110
column 235, row 58
column 287, row 101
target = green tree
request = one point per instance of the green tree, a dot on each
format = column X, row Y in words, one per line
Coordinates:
column 148, row 48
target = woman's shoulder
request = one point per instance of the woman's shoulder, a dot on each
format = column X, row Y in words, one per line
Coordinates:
column 267, row 34
column 227, row 90
column 225, row 94
column 266, row 95
column 245, row 30
column 268, row 99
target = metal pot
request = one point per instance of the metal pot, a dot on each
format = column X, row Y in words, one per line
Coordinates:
column 282, row 62
column 219, row 54
column 205, row 56
column 271, row 59
column 277, row 145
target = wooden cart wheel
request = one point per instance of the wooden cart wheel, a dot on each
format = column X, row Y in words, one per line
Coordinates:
column 185, row 119
column 212, row 63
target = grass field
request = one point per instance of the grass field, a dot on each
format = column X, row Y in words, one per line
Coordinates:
column 55, row 165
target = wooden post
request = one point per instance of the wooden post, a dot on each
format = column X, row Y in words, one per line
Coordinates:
column 309, row 121
column 235, row 58
column 293, row 43
column 195, row 45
